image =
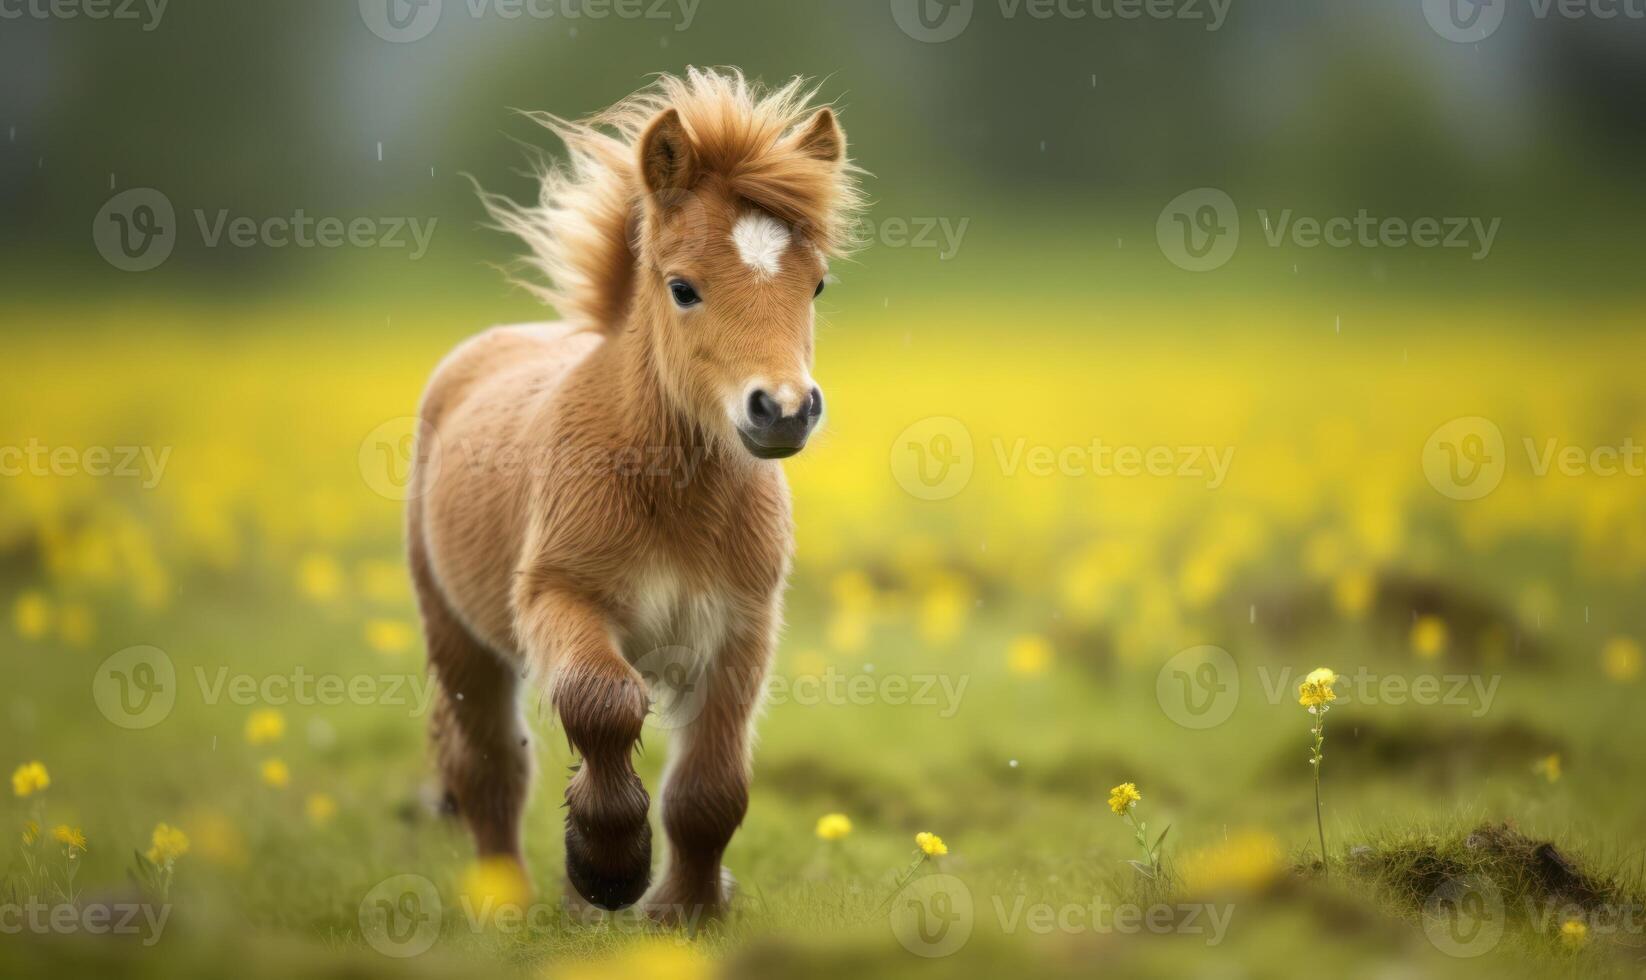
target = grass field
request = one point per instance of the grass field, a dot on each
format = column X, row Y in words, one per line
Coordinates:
column 978, row 656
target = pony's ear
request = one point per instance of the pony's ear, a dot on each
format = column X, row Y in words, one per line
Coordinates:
column 820, row 137
column 666, row 158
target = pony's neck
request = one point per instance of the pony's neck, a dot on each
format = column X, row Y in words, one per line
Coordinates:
column 647, row 418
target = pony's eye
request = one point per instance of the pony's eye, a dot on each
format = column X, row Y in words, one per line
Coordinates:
column 683, row 293
column 819, row 290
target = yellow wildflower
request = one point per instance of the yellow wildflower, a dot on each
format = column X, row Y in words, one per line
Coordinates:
column 1244, row 861
column 319, row 578
column 264, row 726
column 320, row 808
column 1429, row 637
column 388, row 635
column 1621, row 659
column 1548, row 767
column 32, row 615
column 930, row 844
column 833, row 826
column 1123, row 798
column 497, row 879
column 69, row 837
column 276, row 773
column 1316, row 688
column 659, row 959
column 1353, row 592
column 1029, row 655
column 1574, row 934
column 29, row 778
column 167, row 844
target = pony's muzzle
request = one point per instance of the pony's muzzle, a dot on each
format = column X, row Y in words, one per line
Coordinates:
column 770, row 434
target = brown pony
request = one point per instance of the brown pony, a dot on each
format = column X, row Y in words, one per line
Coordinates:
column 600, row 495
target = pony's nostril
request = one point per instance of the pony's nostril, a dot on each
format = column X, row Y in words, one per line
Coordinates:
column 763, row 409
column 814, row 404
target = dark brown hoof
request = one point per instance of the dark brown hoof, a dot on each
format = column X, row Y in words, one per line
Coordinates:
column 611, row 876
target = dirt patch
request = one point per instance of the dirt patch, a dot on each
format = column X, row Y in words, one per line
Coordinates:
column 1522, row 869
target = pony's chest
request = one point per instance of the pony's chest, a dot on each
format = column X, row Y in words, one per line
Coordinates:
column 667, row 610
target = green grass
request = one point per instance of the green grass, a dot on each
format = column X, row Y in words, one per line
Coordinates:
column 1014, row 777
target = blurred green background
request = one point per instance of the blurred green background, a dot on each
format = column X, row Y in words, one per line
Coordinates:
column 1026, row 284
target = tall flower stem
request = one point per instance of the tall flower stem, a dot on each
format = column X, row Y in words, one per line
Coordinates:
column 1319, row 730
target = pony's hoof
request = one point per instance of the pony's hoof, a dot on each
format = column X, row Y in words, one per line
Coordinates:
column 612, row 877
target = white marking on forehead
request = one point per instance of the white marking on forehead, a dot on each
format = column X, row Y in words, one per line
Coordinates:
column 761, row 240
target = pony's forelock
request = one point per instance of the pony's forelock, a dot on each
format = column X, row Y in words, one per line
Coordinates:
column 579, row 233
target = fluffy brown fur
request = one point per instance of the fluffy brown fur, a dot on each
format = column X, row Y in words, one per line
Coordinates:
column 582, row 503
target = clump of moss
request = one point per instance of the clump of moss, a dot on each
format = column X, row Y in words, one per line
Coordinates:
column 1528, row 873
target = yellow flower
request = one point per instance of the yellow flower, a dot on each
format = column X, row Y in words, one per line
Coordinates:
column 498, row 879
column 1244, row 861
column 167, row 844
column 31, row 832
column 931, row 844
column 1621, row 659
column 654, row 959
column 1123, row 798
column 1316, row 688
column 69, row 837
column 1352, row 593
column 1029, row 655
column 276, row 773
column 1429, row 637
column 266, row 725
column 319, row 578
column 29, row 778
column 320, row 808
column 32, row 615
column 833, row 826
column 1548, row 767
column 1574, row 934
column 388, row 635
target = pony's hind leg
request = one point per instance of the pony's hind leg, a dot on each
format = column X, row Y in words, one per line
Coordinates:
column 602, row 703
column 480, row 744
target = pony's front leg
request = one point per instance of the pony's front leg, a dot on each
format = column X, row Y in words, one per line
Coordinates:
column 602, row 703
column 706, row 785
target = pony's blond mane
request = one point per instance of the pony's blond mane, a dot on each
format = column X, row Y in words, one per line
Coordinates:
column 580, row 231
